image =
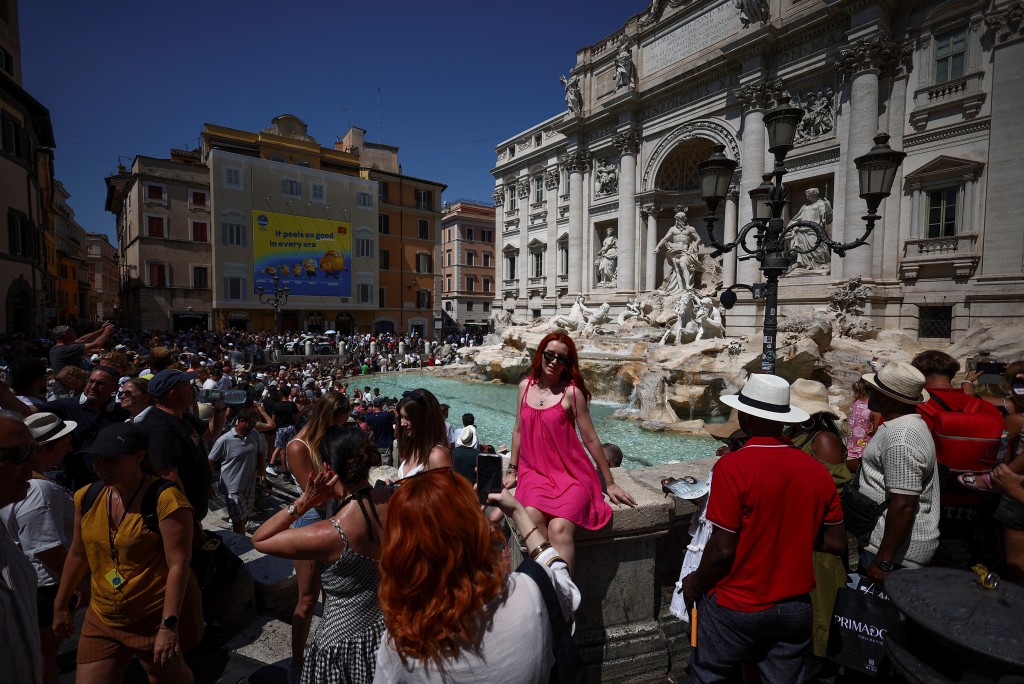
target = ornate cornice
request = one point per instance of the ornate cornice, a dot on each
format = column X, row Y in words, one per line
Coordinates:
column 604, row 208
column 865, row 54
column 797, row 163
column 762, row 94
column 1007, row 24
column 649, row 209
column 499, row 195
column 943, row 133
column 627, row 141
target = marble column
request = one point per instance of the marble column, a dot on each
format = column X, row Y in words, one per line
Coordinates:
column 551, row 255
column 650, row 256
column 731, row 229
column 754, row 99
column 861, row 63
column 577, row 163
column 524, row 262
column 629, row 144
column 887, row 260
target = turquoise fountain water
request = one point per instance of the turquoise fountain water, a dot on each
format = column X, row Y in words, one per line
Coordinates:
column 494, row 405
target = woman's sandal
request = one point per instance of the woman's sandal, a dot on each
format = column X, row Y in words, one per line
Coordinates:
column 977, row 482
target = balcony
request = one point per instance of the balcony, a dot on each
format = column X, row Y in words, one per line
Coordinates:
column 942, row 257
column 964, row 94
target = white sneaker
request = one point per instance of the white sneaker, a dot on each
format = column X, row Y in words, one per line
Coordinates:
column 271, row 470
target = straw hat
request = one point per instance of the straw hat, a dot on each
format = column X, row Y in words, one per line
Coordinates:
column 728, row 430
column 812, row 396
column 467, row 436
column 766, row 396
column 900, row 381
column 47, row 427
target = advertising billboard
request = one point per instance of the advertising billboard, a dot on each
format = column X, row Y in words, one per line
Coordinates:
column 311, row 256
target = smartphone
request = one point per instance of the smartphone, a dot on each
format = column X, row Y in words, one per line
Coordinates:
column 991, row 367
column 488, row 475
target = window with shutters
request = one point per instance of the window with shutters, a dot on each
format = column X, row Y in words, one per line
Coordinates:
column 423, row 299
column 156, row 226
column 424, row 226
column 384, row 224
column 235, row 288
column 158, row 274
column 424, row 262
column 200, row 231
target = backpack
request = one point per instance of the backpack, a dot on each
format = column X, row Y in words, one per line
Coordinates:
column 965, row 440
column 211, row 559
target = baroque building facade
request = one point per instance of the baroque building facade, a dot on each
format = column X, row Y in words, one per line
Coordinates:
column 587, row 197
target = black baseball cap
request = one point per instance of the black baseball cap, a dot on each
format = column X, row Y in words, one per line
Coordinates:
column 118, row 440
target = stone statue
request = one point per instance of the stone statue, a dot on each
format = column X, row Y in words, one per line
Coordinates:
column 686, row 328
column 802, row 238
column 682, row 255
column 709, row 318
column 606, row 178
column 576, row 318
column 753, row 11
column 608, row 258
column 633, row 311
column 625, row 76
column 595, row 319
column 573, row 99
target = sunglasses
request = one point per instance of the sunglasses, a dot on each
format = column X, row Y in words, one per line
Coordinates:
column 552, row 357
column 21, row 454
column 131, row 394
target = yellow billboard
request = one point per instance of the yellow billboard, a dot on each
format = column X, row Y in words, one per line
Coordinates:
column 310, row 256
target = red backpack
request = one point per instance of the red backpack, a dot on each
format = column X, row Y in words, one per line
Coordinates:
column 965, row 440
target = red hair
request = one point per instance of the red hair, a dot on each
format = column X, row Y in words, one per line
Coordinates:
column 570, row 371
column 441, row 565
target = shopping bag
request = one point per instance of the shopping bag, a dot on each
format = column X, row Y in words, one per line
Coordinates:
column 861, row 622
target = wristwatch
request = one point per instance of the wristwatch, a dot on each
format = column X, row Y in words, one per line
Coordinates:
column 169, row 622
column 293, row 511
column 885, row 566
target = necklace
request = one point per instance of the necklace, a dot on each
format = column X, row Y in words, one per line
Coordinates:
column 115, row 577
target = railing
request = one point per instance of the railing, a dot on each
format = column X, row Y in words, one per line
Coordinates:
column 940, row 246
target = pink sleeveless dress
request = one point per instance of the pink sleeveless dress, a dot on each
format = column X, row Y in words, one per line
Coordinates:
column 555, row 474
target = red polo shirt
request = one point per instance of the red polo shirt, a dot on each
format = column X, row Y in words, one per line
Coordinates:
column 776, row 498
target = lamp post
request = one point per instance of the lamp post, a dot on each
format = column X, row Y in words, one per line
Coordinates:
column 278, row 299
column 876, row 171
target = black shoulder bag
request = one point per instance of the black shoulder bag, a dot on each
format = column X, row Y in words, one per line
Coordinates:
column 860, row 512
column 568, row 664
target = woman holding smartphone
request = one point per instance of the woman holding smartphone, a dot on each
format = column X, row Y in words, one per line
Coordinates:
column 553, row 477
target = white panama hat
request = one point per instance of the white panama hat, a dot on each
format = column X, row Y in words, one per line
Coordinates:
column 47, row 427
column 766, row 396
column 901, row 381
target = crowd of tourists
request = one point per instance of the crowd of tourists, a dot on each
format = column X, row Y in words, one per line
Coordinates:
column 113, row 445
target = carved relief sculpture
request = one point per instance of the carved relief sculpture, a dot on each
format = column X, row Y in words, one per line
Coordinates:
column 608, row 259
column 573, row 98
column 709, row 318
column 523, row 188
column 803, row 239
column 606, row 178
column 819, row 115
column 551, row 179
column 682, row 255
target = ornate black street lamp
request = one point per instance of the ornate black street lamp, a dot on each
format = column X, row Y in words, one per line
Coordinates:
column 278, row 299
column 876, row 170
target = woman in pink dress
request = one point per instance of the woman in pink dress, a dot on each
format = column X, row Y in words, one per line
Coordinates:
column 863, row 424
column 554, row 479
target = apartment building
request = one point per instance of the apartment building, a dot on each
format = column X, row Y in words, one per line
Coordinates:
column 101, row 260
column 468, row 263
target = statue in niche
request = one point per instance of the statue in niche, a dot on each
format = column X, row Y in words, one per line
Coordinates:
column 709, row 318
column 753, row 11
column 606, row 178
column 608, row 258
column 682, row 255
column 625, row 73
column 573, row 98
column 803, row 238
column 576, row 318
column 819, row 115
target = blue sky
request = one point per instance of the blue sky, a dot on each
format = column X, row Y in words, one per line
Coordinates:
column 456, row 77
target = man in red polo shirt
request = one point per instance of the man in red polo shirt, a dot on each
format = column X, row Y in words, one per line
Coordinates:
column 772, row 505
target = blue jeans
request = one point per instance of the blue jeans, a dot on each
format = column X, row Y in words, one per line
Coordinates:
column 777, row 640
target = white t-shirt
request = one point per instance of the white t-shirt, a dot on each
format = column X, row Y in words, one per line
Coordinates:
column 209, row 384
column 44, row 519
column 900, row 459
column 515, row 649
